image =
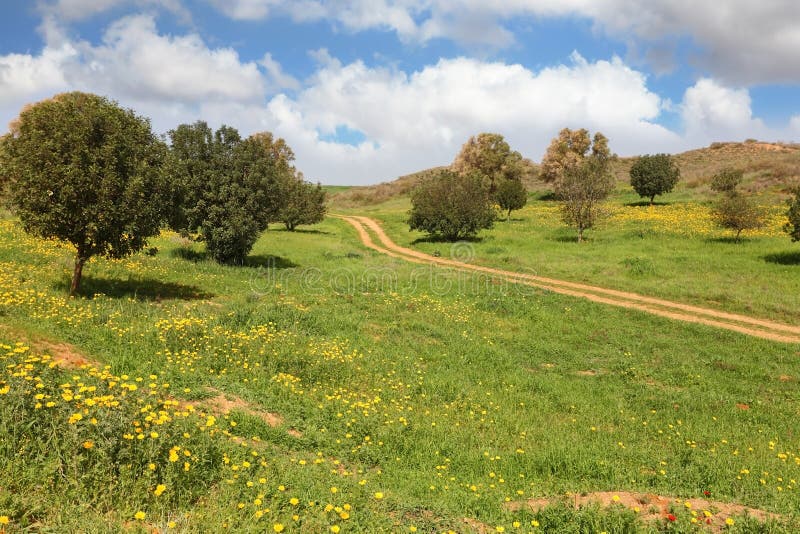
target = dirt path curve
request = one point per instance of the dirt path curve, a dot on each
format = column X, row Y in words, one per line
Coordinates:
column 743, row 324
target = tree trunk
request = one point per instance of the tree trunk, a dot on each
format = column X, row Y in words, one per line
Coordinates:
column 652, row 198
column 580, row 235
column 76, row 275
column 508, row 217
column 738, row 233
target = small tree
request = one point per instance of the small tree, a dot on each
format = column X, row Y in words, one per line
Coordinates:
column 452, row 206
column 727, row 180
column 654, row 175
column 489, row 155
column 302, row 203
column 793, row 226
column 226, row 188
column 85, row 171
column 736, row 211
column 581, row 190
column 511, row 195
column 566, row 151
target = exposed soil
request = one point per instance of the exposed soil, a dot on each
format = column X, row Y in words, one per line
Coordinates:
column 743, row 324
column 223, row 403
column 653, row 507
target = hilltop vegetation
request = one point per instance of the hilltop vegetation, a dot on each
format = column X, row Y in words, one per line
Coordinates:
column 770, row 167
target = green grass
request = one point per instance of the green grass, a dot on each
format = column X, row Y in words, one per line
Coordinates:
column 683, row 258
column 447, row 396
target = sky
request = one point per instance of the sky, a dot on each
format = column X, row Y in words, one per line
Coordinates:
column 368, row 90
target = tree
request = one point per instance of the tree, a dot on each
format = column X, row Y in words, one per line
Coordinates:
column 583, row 185
column 85, row 171
column 654, row 175
column 737, row 212
column 489, row 155
column 566, row 151
column 226, row 188
column 727, row 180
column 451, row 205
column 302, row 203
column 511, row 195
column 793, row 226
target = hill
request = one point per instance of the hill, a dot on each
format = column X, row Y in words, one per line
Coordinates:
column 767, row 166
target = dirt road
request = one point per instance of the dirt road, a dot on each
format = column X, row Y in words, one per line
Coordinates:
column 743, row 324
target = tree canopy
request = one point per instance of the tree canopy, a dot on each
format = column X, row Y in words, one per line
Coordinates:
column 511, row 195
column 226, row 188
column 84, row 170
column 654, row 175
column 451, row 205
column 489, row 155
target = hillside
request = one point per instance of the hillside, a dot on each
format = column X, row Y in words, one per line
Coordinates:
column 767, row 166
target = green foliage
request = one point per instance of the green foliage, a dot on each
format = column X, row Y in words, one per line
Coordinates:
column 489, row 155
column 302, row 203
column 511, row 195
column 737, row 211
column 727, row 180
column 451, row 206
column 226, row 188
column 86, row 171
column 654, row 175
column 583, row 185
column 793, row 226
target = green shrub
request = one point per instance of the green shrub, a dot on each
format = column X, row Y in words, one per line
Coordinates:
column 654, row 175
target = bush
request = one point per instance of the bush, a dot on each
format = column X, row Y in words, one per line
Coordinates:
column 737, row 212
column 451, row 206
column 654, row 175
column 511, row 195
column 727, row 180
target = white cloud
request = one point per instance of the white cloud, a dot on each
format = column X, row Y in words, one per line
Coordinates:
column 410, row 120
column 72, row 10
column 713, row 111
column 740, row 41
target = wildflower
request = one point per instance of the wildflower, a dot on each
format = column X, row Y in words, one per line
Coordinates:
column 161, row 488
column 335, row 529
column 671, row 517
column 139, row 515
column 4, row 520
column 88, row 444
column 278, row 527
column 294, row 501
column 379, row 495
column 729, row 521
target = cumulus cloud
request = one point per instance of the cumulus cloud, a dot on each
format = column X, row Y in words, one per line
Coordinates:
column 74, row 10
column 409, row 120
column 739, row 41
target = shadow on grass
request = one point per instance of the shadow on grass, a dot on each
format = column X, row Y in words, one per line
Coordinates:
column 546, row 196
column 784, row 258
column 732, row 240
column 145, row 289
column 268, row 261
column 262, row 261
column 301, row 231
column 646, row 203
column 440, row 239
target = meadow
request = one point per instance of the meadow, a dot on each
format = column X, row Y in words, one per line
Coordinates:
column 672, row 249
column 323, row 387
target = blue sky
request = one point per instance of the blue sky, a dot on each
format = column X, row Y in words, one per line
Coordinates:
column 368, row 90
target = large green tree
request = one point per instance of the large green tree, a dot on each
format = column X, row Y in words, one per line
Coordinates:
column 654, row 175
column 489, row 155
column 84, row 170
column 510, row 195
column 451, row 205
column 582, row 185
column 226, row 188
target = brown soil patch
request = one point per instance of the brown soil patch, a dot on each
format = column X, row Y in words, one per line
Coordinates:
column 587, row 372
column 64, row 354
column 223, row 403
column 653, row 507
column 743, row 324
column 477, row 526
column 786, row 378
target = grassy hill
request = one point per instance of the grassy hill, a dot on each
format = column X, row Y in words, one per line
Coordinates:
column 767, row 166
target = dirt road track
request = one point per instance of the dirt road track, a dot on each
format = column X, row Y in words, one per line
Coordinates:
column 743, row 324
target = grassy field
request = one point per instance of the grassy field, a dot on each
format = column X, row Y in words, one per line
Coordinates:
column 672, row 249
column 369, row 394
